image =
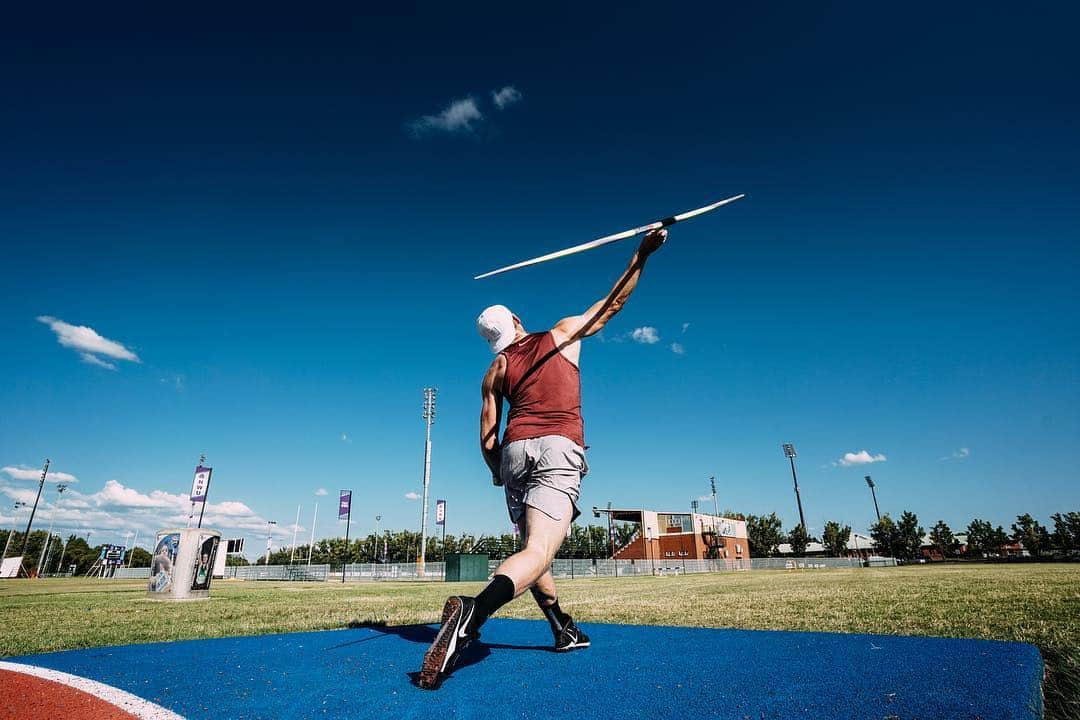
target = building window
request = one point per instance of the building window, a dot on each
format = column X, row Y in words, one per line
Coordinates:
column 738, row 549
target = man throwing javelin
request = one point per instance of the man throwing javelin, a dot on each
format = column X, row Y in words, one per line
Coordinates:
column 539, row 463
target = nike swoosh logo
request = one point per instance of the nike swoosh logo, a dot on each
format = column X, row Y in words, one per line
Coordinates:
column 461, row 633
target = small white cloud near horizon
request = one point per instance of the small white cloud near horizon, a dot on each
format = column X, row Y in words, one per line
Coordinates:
column 862, row 457
column 412, row 495
column 322, row 491
column 685, row 326
column 88, row 343
column 645, row 335
column 25, row 473
column 505, row 96
column 958, row 455
column 459, row 116
column 677, row 348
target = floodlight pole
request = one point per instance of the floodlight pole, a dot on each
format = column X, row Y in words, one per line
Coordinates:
column 60, row 488
column 30, row 522
column 131, row 553
column 295, row 528
column 870, row 483
column 429, row 418
column 11, row 533
column 269, row 534
column 715, row 507
column 311, row 545
column 789, row 451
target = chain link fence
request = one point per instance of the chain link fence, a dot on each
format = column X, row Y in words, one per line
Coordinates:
column 561, row 568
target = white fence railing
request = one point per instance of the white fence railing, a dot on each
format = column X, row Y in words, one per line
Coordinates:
column 583, row 568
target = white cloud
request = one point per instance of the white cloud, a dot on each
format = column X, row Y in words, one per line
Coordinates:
column 412, row 495
column 345, row 438
column 505, row 97
column 860, row 458
column 322, row 491
column 458, row 117
column 25, row 473
column 117, row 508
column 115, row 494
column 95, row 360
column 677, row 348
column 88, row 343
column 685, row 326
column 958, row 455
column 646, row 335
column 25, row 495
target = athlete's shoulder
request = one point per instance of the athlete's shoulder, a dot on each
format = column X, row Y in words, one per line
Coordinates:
column 496, row 370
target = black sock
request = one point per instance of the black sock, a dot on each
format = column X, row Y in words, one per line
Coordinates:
column 554, row 614
column 498, row 592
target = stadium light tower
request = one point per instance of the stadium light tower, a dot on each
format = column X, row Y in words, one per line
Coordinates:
column 60, row 488
column 269, row 534
column 715, row 507
column 33, row 510
column 789, row 452
column 870, row 484
column 19, row 504
column 429, row 419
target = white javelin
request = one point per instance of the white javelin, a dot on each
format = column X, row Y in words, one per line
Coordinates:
column 614, row 238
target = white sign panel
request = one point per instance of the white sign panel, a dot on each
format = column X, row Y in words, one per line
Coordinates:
column 201, row 484
column 10, row 567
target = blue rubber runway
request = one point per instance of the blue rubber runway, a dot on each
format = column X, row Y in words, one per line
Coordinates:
column 630, row 671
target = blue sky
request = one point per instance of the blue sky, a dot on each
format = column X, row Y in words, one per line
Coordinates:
column 278, row 216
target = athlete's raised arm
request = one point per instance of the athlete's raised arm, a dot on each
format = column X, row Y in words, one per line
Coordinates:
column 571, row 329
column 491, row 415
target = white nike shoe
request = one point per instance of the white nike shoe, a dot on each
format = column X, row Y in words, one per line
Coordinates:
column 454, row 635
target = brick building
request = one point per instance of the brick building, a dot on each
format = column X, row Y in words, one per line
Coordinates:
column 682, row 536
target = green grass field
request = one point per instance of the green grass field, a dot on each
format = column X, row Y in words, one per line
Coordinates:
column 1039, row 604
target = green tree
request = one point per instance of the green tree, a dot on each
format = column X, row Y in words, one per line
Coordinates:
column 981, row 538
column 798, row 540
column 1066, row 537
column 835, row 538
column 1029, row 533
column 941, row 536
column 764, row 534
column 140, row 557
column 909, row 535
column 886, row 537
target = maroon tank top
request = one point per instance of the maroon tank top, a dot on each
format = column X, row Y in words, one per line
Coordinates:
column 544, row 390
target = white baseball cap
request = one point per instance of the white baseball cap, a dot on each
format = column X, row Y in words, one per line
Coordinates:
column 496, row 324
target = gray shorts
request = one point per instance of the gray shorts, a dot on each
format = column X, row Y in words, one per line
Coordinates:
column 544, row 473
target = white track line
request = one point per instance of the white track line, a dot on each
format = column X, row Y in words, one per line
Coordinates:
column 142, row 709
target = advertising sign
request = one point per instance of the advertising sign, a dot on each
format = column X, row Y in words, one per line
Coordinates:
column 201, row 484
column 113, row 554
column 161, row 566
column 440, row 512
column 204, row 564
column 344, row 504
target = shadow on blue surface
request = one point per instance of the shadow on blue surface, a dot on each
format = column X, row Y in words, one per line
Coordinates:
column 631, row 671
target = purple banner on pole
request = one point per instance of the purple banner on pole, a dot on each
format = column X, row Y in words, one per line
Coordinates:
column 200, row 485
column 440, row 512
column 344, row 504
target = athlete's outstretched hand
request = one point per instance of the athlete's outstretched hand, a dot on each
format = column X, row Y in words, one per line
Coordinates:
column 652, row 242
